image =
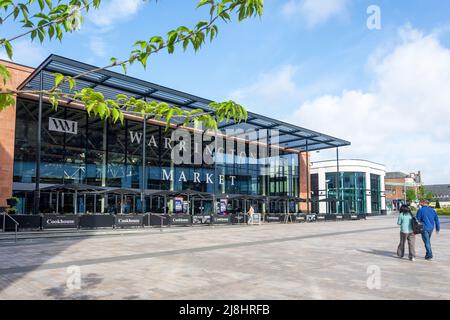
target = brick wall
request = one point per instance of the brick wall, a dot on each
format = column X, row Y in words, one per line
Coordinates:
column 7, row 129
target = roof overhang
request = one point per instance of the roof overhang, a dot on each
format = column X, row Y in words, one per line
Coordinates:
column 109, row 83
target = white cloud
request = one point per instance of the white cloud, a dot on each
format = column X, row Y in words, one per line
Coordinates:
column 113, row 11
column 402, row 121
column 315, row 12
column 98, row 46
column 27, row 53
column 273, row 88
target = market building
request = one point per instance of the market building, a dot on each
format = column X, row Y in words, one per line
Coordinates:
column 348, row 186
column 42, row 150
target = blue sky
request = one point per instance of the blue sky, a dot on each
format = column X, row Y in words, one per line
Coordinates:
column 311, row 62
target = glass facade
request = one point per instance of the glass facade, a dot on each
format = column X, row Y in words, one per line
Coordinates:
column 352, row 192
column 104, row 154
column 375, row 192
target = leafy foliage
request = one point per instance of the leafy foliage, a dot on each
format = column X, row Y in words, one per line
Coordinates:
column 443, row 211
column 51, row 20
column 411, row 195
column 423, row 194
column 96, row 104
column 54, row 19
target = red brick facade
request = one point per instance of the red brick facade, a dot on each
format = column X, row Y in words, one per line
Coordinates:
column 7, row 129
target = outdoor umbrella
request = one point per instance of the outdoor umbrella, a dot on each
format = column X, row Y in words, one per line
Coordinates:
column 74, row 188
column 122, row 192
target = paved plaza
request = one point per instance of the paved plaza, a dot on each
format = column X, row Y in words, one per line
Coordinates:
column 328, row 260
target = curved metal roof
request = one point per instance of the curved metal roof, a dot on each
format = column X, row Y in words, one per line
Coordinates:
column 112, row 83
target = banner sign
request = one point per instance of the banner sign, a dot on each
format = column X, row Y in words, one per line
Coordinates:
column 223, row 206
column 199, row 219
column 96, row 221
column 129, row 221
column 273, row 218
column 221, row 219
column 180, row 220
column 178, row 204
column 54, row 222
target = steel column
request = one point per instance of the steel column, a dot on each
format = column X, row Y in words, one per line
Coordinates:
column 338, row 182
column 37, row 190
column 308, row 193
column 144, row 177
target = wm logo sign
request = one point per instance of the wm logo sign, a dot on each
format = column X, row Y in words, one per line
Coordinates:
column 61, row 125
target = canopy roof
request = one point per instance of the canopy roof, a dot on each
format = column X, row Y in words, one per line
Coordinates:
column 181, row 193
column 240, row 196
column 122, row 191
column 73, row 187
column 324, row 200
column 287, row 198
column 112, row 83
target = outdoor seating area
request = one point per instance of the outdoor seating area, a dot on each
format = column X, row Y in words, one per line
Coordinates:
column 48, row 222
column 174, row 208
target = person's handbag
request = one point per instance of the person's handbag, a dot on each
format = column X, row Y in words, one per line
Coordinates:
column 417, row 226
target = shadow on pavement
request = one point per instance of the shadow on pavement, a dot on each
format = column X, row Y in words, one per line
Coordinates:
column 62, row 292
column 384, row 253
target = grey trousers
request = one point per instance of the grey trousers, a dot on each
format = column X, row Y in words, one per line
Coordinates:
column 411, row 238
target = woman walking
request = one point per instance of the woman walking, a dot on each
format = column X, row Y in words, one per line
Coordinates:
column 405, row 221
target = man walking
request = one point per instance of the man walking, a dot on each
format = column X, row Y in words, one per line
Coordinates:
column 429, row 218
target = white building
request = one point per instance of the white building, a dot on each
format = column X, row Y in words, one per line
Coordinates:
column 360, row 187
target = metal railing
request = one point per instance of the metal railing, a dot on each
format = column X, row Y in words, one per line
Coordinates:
column 16, row 224
column 156, row 215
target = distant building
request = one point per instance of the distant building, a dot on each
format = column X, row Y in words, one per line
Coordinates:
column 396, row 184
column 357, row 186
column 441, row 192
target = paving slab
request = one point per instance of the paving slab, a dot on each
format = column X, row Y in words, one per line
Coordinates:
column 328, row 260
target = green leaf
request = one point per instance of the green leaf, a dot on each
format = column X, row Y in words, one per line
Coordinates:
column 8, row 48
column 59, row 34
column 115, row 114
column 72, row 83
column 58, row 78
column 4, row 74
column 51, row 31
column 185, row 44
column 204, row 2
column 6, row 100
column 41, row 4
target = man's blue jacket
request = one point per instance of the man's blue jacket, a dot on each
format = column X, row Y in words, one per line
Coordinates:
column 429, row 218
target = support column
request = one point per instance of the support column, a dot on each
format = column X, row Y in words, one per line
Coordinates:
column 338, row 183
column 144, row 175
column 104, row 196
column 323, row 186
column 383, row 193
column 308, row 176
column 368, row 194
column 37, row 189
